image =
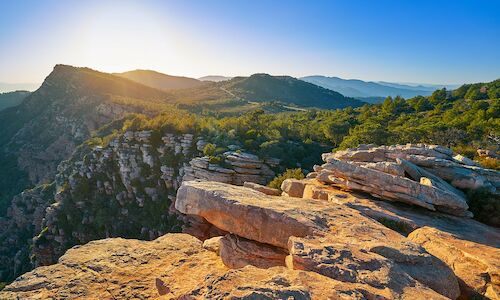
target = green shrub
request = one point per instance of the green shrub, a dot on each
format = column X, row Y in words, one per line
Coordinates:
column 289, row 173
column 209, row 149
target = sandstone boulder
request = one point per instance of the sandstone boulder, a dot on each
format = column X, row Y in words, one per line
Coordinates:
column 476, row 265
column 396, row 188
column 293, row 187
column 458, row 170
column 298, row 224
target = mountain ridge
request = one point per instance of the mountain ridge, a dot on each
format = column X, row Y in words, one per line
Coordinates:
column 358, row 88
column 264, row 87
column 159, row 80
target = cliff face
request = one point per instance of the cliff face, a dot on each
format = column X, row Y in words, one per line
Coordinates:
column 51, row 122
column 124, row 189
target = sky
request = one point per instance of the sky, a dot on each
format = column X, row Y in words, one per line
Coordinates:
column 445, row 42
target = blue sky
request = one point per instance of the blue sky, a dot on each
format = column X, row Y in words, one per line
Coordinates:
column 401, row 41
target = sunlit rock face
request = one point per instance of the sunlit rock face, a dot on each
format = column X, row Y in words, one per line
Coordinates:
column 332, row 240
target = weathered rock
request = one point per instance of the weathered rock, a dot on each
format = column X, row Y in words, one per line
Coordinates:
column 213, row 244
column 175, row 266
column 200, row 228
column 387, row 186
column 274, row 220
column 416, row 173
column 262, row 188
column 237, row 252
column 120, row 269
column 281, row 283
column 477, row 266
column 241, row 168
column 404, row 218
column 468, row 247
column 458, row 170
column 293, row 187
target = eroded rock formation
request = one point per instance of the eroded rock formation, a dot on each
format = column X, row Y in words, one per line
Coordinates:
column 237, row 168
column 175, row 266
column 332, row 240
column 468, row 247
column 323, row 238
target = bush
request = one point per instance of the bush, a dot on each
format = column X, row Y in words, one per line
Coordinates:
column 289, row 173
column 489, row 162
column 209, row 149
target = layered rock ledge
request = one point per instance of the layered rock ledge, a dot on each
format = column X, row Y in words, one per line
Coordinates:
column 332, row 240
column 429, row 176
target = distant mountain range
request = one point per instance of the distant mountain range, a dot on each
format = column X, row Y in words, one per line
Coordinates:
column 159, row 80
column 10, row 87
column 366, row 89
column 215, row 78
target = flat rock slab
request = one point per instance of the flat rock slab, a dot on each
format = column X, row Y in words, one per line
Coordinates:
column 323, row 227
column 175, row 266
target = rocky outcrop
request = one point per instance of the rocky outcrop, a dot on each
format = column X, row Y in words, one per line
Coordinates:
column 460, row 171
column 343, row 246
column 175, row 266
column 391, row 187
column 23, row 221
column 96, row 194
column 332, row 240
column 422, row 175
column 236, row 168
column 476, row 265
column 468, row 247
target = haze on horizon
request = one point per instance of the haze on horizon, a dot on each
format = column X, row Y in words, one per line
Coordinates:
column 442, row 42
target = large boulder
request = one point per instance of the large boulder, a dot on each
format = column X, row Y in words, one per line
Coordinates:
column 330, row 232
column 476, row 265
column 458, row 170
column 392, row 187
column 293, row 187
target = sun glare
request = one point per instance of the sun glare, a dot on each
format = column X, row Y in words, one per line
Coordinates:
column 124, row 38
